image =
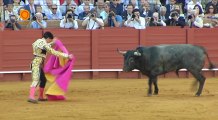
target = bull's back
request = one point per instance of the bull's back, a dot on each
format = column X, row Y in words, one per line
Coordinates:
column 172, row 57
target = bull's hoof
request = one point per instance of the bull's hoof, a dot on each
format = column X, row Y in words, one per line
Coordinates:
column 155, row 93
column 197, row 95
column 149, row 95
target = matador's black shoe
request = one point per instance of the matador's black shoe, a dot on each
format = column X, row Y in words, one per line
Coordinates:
column 42, row 99
column 32, row 101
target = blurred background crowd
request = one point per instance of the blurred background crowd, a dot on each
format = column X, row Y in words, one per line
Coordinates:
column 97, row 14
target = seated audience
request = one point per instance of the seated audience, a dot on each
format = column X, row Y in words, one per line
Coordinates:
column 155, row 21
column 54, row 13
column 12, row 23
column 175, row 20
column 83, row 15
column 114, row 20
column 195, row 18
column 39, row 23
column 69, row 21
column 39, row 10
column 92, row 22
column 136, row 20
column 128, row 12
column 211, row 17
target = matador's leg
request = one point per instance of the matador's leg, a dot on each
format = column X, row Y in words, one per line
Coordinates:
column 35, row 66
column 42, row 84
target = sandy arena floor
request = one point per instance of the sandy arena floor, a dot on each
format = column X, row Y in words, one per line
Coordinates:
column 114, row 99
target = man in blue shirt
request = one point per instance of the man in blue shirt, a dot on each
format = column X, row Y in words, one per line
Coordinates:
column 114, row 20
column 39, row 22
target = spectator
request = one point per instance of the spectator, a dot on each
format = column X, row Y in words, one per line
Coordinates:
column 128, row 12
column 12, row 23
column 211, row 17
column 175, row 20
column 92, row 22
column 191, row 5
column 17, row 5
column 124, row 3
column 31, row 8
column 39, row 23
column 1, row 11
column 145, row 10
column 80, row 9
column 8, row 12
column 105, row 13
column 195, row 17
column 181, row 4
column 114, row 20
column 170, row 7
column 39, row 10
column 100, row 7
column 135, row 4
column 115, row 4
column 83, row 15
column 178, row 8
column 69, row 21
column 47, row 8
column 38, row 2
column 135, row 21
column 213, row 2
column 155, row 5
column 73, row 8
column 162, row 12
column 67, row 5
column 155, row 21
column 54, row 13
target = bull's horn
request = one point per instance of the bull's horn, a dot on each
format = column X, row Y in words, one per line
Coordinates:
column 121, row 52
column 137, row 53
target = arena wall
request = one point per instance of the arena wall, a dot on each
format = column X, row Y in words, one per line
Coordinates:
column 96, row 50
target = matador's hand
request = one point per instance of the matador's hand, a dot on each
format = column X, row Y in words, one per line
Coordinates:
column 70, row 56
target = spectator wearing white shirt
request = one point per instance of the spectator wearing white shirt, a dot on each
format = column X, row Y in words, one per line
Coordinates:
column 92, row 22
column 195, row 19
column 8, row 12
column 136, row 20
column 191, row 4
column 69, row 21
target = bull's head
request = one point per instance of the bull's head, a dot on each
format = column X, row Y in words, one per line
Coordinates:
column 129, row 59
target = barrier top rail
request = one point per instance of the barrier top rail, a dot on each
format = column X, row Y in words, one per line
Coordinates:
column 95, row 70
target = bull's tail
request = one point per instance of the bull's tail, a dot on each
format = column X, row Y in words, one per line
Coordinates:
column 177, row 72
column 211, row 65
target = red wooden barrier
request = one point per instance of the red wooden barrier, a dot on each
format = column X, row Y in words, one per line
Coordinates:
column 97, row 49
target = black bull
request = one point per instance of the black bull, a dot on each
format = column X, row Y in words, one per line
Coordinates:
column 156, row 60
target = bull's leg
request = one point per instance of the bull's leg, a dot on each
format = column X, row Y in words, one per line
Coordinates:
column 155, row 86
column 201, row 79
column 150, row 86
column 152, row 79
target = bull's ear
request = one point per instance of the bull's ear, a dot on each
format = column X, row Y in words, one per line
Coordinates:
column 121, row 52
column 137, row 53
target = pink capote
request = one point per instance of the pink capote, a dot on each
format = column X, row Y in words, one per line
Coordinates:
column 62, row 74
